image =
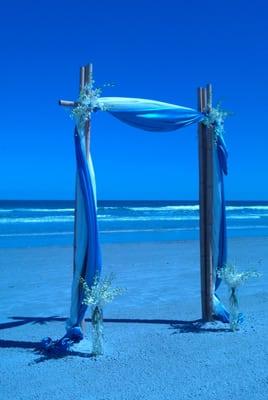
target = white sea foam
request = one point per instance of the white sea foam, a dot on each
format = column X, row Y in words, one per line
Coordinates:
column 116, row 218
column 36, row 234
column 119, row 231
column 150, row 218
column 238, row 208
column 247, row 227
column 138, row 209
column 36, row 220
column 188, row 208
column 149, row 230
column 169, row 218
column 244, row 216
column 165, row 208
column 60, row 210
column 193, row 228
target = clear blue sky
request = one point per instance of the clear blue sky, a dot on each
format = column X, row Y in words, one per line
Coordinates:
column 161, row 49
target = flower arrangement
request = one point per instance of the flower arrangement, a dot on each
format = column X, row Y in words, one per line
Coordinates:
column 215, row 118
column 87, row 102
column 100, row 293
column 233, row 279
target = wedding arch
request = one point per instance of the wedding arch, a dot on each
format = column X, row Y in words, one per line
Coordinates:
column 154, row 116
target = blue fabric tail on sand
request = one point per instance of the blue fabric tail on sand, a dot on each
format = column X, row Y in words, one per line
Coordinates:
column 220, row 312
column 63, row 345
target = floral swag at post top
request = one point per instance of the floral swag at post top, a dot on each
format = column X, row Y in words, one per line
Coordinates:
column 154, row 116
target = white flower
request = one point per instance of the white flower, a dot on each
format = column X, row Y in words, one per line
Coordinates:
column 88, row 101
column 233, row 278
column 101, row 292
column 215, row 118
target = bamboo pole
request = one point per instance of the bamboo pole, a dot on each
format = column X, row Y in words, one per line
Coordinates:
column 67, row 103
column 81, row 86
column 88, row 78
column 205, row 204
column 82, row 78
column 209, row 211
column 202, row 202
column 85, row 79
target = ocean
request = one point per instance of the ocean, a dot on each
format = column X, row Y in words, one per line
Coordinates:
column 46, row 223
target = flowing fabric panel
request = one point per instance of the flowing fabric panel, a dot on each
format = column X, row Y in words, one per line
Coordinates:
column 219, row 236
column 153, row 116
column 149, row 115
column 87, row 256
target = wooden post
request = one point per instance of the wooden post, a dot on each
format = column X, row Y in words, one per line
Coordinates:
column 206, row 204
column 202, row 200
column 67, row 103
column 85, row 79
column 82, row 78
column 88, row 77
column 81, row 87
column 210, row 201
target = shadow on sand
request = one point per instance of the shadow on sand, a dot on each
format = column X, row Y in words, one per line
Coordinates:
column 199, row 326
column 178, row 326
column 37, row 348
column 19, row 321
column 195, row 326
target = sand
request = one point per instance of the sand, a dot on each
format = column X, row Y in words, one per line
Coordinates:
column 153, row 349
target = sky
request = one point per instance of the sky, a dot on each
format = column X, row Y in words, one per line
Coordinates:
column 155, row 49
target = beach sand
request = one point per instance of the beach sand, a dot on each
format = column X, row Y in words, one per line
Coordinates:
column 153, row 350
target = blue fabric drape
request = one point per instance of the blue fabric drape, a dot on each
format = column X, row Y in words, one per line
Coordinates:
column 152, row 116
column 87, row 255
column 149, row 115
column 222, row 155
column 87, row 258
column 219, row 239
column 157, row 116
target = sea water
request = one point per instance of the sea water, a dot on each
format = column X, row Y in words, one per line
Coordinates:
column 45, row 223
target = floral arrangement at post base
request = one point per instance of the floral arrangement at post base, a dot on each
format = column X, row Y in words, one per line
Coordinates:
column 96, row 296
column 233, row 279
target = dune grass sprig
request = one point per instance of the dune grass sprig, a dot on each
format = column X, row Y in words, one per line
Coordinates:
column 97, row 296
column 233, row 279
